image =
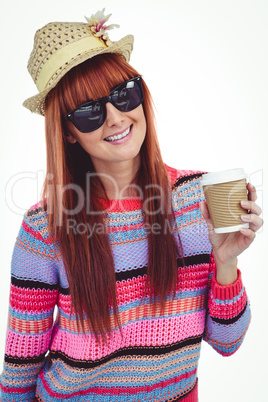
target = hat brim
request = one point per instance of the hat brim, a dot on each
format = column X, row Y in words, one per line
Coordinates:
column 124, row 46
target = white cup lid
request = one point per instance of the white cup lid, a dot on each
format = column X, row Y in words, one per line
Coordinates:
column 223, row 176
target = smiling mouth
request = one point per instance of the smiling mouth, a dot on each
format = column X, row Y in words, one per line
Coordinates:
column 119, row 136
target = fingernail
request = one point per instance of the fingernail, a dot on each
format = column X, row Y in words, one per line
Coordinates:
column 245, row 218
column 245, row 204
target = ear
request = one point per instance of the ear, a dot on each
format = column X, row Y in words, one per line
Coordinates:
column 70, row 138
column 68, row 132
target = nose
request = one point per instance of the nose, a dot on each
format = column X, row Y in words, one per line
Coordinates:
column 114, row 117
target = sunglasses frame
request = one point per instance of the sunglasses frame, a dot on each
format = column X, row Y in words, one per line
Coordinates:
column 104, row 100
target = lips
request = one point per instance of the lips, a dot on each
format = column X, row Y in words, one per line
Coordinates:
column 118, row 136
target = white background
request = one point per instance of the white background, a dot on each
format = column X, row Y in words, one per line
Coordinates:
column 206, row 63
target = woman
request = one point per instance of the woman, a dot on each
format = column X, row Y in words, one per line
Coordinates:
column 118, row 242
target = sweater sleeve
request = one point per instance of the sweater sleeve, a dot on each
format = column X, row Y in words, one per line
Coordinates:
column 33, row 295
column 228, row 314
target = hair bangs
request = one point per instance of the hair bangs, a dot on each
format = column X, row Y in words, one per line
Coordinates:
column 93, row 79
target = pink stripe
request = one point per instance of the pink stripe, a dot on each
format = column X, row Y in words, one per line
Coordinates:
column 16, row 390
column 193, row 396
column 227, row 311
column 27, row 345
column 226, row 292
column 189, row 278
column 121, row 390
column 175, row 174
column 64, row 303
column 124, row 204
column 187, row 209
column 38, row 205
column 165, row 331
column 172, row 173
column 32, row 300
column 125, row 228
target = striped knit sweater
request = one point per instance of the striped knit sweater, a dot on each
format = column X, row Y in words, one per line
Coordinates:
column 155, row 358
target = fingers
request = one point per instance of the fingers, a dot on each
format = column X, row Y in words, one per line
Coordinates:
column 253, row 218
column 255, row 222
column 204, row 209
column 206, row 215
column 251, row 206
column 249, row 236
column 252, row 193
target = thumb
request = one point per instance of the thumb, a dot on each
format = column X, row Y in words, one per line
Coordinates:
column 205, row 213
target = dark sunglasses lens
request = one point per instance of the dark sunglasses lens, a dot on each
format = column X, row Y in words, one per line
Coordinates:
column 128, row 97
column 89, row 117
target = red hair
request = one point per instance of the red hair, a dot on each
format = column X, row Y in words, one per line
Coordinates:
column 88, row 262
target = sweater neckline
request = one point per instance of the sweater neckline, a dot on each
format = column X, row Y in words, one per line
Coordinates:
column 124, row 204
column 132, row 203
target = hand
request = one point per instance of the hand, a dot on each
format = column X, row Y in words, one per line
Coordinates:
column 227, row 246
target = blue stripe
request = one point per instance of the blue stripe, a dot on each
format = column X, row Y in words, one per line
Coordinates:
column 29, row 316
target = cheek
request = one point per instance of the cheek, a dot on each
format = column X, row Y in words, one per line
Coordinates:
column 88, row 143
column 144, row 121
column 144, row 125
column 86, row 140
column 140, row 117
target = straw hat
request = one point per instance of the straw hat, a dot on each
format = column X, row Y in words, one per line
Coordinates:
column 60, row 46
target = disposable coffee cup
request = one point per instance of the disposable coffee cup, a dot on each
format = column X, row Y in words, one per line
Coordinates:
column 224, row 192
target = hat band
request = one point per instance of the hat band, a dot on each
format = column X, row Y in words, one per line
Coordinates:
column 64, row 55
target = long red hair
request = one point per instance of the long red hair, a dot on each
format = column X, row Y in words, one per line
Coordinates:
column 88, row 262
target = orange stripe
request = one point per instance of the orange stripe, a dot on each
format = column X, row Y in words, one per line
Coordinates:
column 172, row 308
column 33, row 251
column 30, row 327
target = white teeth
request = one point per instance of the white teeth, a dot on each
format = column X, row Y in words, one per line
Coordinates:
column 119, row 136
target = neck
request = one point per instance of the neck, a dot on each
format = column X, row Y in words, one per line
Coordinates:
column 117, row 177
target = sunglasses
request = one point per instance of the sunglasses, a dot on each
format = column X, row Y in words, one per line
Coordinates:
column 91, row 115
